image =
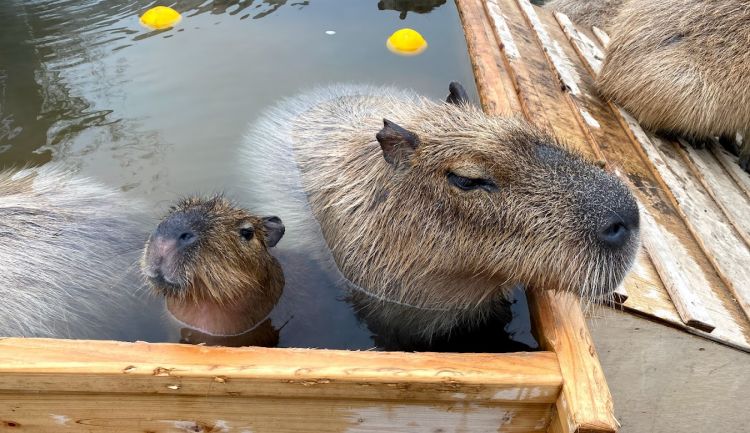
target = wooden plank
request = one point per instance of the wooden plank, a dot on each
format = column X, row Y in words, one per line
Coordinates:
column 494, row 85
column 721, row 187
column 679, row 277
column 602, row 36
column 68, row 366
column 585, row 403
column 681, row 274
column 714, row 232
column 538, row 89
column 214, row 414
column 729, row 162
column 727, row 249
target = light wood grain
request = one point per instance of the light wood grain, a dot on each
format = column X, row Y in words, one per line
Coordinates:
column 729, row 162
column 494, row 85
column 113, row 367
column 585, row 404
column 721, row 187
column 602, row 36
column 59, row 413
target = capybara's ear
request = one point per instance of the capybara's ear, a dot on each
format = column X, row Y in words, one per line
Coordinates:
column 274, row 230
column 457, row 94
column 398, row 144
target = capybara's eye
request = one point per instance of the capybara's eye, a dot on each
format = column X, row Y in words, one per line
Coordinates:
column 469, row 184
column 247, row 233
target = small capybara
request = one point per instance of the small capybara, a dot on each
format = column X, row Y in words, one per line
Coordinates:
column 434, row 214
column 683, row 67
column 599, row 13
column 210, row 260
column 68, row 256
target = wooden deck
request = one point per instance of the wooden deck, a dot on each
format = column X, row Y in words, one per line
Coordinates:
column 694, row 268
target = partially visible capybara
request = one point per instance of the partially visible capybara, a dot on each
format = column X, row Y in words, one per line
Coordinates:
column 210, row 260
column 68, row 255
column 599, row 13
column 432, row 215
column 683, row 67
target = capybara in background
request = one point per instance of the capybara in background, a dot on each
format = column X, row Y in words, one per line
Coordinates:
column 683, row 67
column 210, row 260
column 68, row 256
column 434, row 214
column 599, row 13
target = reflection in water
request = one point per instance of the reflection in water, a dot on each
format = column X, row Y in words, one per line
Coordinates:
column 404, row 6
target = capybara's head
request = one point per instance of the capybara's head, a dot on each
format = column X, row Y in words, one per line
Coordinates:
column 211, row 250
column 497, row 199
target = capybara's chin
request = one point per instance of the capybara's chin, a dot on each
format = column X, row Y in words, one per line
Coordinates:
column 210, row 260
column 436, row 206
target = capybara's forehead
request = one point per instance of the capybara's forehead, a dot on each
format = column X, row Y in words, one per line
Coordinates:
column 217, row 208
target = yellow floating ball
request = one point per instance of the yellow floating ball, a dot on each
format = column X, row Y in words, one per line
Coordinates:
column 406, row 42
column 160, row 17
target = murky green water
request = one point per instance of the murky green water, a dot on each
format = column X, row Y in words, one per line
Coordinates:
column 160, row 114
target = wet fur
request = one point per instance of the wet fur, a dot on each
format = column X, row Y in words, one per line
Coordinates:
column 683, row 67
column 417, row 254
column 68, row 255
column 224, row 273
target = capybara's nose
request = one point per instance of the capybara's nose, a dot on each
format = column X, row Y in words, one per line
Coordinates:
column 618, row 227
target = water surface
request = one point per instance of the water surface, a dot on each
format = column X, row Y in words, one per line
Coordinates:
column 160, row 114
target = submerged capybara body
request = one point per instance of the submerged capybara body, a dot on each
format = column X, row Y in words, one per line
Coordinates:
column 599, row 13
column 434, row 214
column 68, row 256
column 210, row 260
column 683, row 67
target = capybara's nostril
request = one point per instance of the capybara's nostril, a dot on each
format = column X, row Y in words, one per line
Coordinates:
column 619, row 227
column 186, row 238
column 615, row 234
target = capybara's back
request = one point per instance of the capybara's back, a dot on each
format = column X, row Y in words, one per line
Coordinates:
column 67, row 257
column 682, row 67
column 599, row 13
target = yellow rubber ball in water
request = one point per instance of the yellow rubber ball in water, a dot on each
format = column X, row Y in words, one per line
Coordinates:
column 160, row 17
column 406, row 42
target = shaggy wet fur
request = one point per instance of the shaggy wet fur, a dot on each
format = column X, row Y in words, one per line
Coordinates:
column 683, row 67
column 599, row 13
column 419, row 254
column 224, row 283
column 68, row 255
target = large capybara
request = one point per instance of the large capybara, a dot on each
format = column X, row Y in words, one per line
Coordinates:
column 683, row 67
column 210, row 260
column 599, row 13
column 68, row 256
column 433, row 211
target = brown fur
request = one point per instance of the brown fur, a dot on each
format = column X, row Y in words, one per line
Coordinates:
column 429, row 256
column 683, row 67
column 599, row 13
column 224, row 283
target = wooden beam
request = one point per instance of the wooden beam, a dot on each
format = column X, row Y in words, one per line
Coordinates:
column 76, row 366
column 585, row 404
